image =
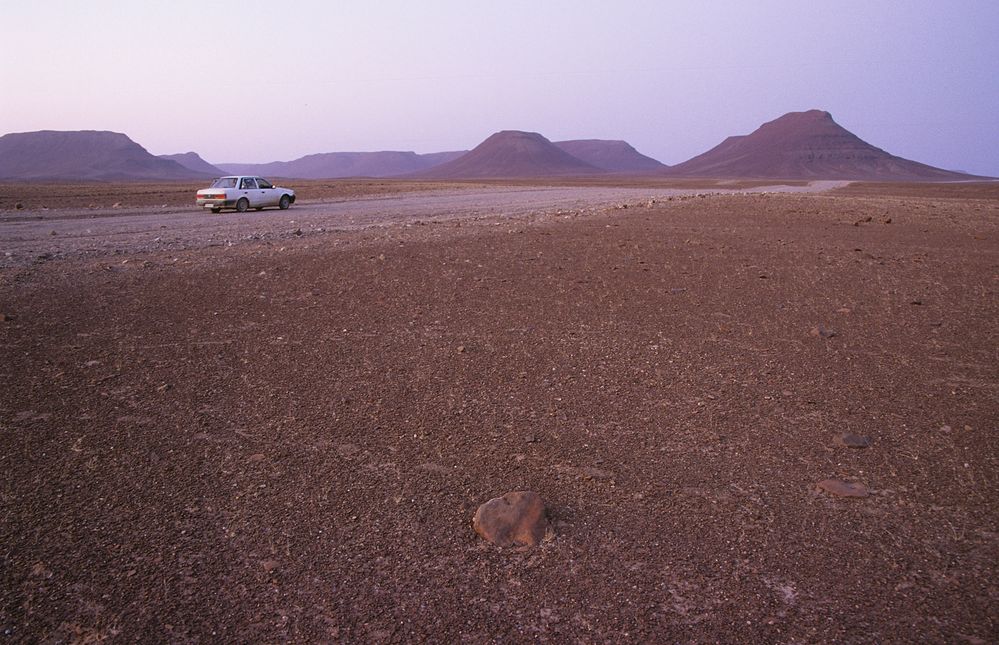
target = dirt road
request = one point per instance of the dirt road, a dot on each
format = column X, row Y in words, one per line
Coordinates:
column 26, row 236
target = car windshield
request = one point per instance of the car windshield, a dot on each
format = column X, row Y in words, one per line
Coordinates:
column 224, row 182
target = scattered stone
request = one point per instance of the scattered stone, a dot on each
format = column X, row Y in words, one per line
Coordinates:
column 850, row 440
column 259, row 456
column 823, row 332
column 53, row 233
column 116, row 205
column 164, row 387
column 270, row 565
column 585, row 472
column 347, row 450
column 18, row 206
column 461, row 349
column 297, row 232
column 39, row 570
column 888, row 221
column 532, row 438
column 431, row 467
column 841, row 488
column 946, row 429
column 518, row 518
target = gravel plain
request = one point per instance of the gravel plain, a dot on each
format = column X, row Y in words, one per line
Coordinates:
column 239, row 433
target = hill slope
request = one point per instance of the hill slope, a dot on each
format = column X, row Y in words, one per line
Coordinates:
column 512, row 153
column 806, row 145
column 613, row 156
column 193, row 161
column 83, row 155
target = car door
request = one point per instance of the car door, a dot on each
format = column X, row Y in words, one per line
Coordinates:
column 248, row 189
column 268, row 195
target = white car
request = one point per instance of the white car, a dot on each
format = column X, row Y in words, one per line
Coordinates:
column 243, row 192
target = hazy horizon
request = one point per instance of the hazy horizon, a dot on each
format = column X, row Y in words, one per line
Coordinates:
column 672, row 79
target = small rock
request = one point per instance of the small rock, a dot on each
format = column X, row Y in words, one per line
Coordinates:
column 519, row 519
column 6, row 318
column 916, row 302
column 164, row 387
column 116, row 205
column 823, row 332
column 297, row 232
column 532, row 438
column 946, row 429
column 461, row 349
column 53, row 233
column 270, row 565
column 18, row 206
column 841, row 488
column 259, row 456
column 851, row 440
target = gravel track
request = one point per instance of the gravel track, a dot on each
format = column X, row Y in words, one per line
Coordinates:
column 26, row 236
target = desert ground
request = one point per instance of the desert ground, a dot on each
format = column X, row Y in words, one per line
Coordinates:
column 277, row 426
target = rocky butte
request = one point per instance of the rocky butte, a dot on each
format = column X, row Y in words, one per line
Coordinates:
column 512, row 153
column 806, row 145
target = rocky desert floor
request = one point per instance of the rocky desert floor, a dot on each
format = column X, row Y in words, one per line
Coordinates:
column 279, row 431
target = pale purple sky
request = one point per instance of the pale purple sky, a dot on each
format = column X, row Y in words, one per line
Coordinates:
column 251, row 81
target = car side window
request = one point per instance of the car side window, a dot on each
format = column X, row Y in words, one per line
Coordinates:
column 263, row 183
column 247, row 182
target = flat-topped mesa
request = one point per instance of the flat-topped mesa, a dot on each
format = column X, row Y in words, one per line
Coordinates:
column 84, row 155
column 806, row 145
column 513, row 153
column 333, row 165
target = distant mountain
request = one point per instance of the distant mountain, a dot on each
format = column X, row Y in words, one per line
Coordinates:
column 332, row 165
column 512, row 153
column 193, row 161
column 806, row 145
column 83, row 155
column 613, row 156
column 437, row 158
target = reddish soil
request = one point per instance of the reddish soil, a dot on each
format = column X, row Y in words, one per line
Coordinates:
column 288, row 442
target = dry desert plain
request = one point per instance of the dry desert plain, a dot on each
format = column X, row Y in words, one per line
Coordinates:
column 277, row 426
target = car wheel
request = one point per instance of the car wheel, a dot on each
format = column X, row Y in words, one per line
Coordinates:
column 284, row 203
column 242, row 205
column 216, row 210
